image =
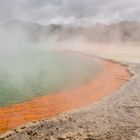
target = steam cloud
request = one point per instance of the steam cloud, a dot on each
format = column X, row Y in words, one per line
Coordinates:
column 70, row 11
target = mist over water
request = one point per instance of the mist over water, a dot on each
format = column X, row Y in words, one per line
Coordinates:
column 30, row 69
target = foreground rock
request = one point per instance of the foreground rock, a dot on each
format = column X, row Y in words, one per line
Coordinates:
column 116, row 117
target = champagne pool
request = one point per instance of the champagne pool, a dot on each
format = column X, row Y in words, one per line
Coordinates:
column 33, row 73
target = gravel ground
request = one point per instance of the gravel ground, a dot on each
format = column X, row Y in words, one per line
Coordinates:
column 114, row 118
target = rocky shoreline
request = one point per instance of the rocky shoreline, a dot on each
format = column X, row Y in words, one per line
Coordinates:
column 114, row 117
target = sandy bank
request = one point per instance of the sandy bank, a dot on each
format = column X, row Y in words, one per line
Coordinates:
column 107, row 82
column 122, row 52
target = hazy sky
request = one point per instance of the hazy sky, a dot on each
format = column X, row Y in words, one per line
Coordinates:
column 70, row 11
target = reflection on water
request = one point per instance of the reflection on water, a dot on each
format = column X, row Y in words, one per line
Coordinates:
column 39, row 73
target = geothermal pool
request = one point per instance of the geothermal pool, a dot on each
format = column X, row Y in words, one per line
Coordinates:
column 35, row 73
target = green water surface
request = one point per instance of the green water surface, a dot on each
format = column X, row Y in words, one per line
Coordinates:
column 40, row 73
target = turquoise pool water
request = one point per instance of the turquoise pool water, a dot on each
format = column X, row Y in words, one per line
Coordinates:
column 39, row 73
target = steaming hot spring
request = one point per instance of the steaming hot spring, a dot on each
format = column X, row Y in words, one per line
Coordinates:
column 38, row 80
column 31, row 73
